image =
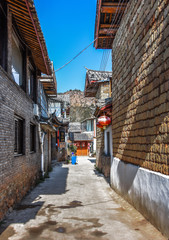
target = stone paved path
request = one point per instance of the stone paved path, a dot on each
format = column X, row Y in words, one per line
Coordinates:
column 76, row 203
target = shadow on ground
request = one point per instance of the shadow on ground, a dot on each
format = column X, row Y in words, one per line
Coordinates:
column 92, row 160
column 101, row 175
column 32, row 203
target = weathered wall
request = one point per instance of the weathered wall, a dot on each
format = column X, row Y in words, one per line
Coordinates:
column 17, row 173
column 140, row 116
column 140, row 86
column 145, row 189
column 103, row 91
column 102, row 161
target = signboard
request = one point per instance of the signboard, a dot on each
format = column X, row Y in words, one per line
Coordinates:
column 71, row 136
column 62, row 145
column 62, row 136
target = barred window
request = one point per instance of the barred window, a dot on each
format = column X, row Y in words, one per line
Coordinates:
column 32, row 138
column 18, row 146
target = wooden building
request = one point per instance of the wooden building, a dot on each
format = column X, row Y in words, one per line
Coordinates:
column 108, row 17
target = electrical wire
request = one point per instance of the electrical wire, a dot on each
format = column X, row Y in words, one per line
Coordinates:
column 76, row 56
column 116, row 17
column 105, row 58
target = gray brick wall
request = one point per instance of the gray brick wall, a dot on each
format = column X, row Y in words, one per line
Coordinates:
column 17, row 173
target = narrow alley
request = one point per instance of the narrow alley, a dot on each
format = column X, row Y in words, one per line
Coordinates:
column 76, row 202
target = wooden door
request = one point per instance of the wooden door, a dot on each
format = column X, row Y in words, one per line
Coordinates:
column 82, row 149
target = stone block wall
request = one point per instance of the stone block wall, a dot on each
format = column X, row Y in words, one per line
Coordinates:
column 17, row 173
column 140, row 86
column 103, row 91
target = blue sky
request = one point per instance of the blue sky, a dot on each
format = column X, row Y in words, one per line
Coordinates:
column 68, row 27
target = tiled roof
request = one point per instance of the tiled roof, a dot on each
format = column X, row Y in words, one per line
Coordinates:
column 83, row 136
column 75, row 127
column 94, row 75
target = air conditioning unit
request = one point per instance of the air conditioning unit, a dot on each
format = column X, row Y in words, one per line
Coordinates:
column 36, row 110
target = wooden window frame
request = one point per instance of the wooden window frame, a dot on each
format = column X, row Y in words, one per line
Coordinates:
column 32, row 138
column 16, row 38
column 32, row 81
column 19, row 136
column 108, row 143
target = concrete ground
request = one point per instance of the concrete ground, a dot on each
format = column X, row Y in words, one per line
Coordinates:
column 76, row 203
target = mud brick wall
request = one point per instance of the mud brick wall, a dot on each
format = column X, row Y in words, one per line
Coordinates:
column 140, row 86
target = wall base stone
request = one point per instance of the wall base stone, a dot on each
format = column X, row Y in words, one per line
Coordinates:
column 146, row 190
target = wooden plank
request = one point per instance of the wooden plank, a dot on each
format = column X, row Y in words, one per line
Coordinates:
column 19, row 15
column 112, row 9
column 105, row 15
column 109, row 25
column 110, row 19
column 100, row 37
column 114, row 4
column 108, row 31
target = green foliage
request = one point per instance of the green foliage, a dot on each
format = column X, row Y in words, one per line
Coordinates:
column 73, row 148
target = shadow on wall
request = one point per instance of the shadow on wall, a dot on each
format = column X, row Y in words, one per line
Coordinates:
column 144, row 139
column 126, row 176
column 32, row 205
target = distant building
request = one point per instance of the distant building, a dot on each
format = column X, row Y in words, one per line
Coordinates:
column 98, row 85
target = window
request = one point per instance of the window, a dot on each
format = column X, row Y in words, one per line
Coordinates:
column 90, row 126
column 18, row 147
column 108, row 143
column 18, row 62
column 32, row 138
column 43, row 102
column 3, row 34
column 32, row 82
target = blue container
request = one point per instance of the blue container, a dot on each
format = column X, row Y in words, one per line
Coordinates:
column 73, row 160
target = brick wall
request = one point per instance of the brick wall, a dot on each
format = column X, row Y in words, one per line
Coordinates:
column 140, row 86
column 19, row 173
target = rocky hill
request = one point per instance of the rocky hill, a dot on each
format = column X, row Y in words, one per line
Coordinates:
column 81, row 107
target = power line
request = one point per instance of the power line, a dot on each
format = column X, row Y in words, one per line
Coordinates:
column 116, row 17
column 105, row 55
column 76, row 56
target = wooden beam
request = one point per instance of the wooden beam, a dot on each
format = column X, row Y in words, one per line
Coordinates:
column 112, row 37
column 112, row 9
column 114, row 4
column 105, row 15
column 108, row 31
column 109, row 26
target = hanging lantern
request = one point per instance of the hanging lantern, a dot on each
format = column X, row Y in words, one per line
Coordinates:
column 99, row 125
column 104, row 120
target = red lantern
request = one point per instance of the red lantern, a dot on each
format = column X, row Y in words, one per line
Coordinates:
column 99, row 125
column 104, row 120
